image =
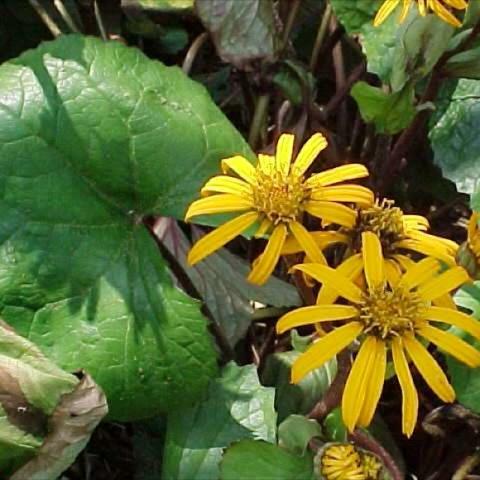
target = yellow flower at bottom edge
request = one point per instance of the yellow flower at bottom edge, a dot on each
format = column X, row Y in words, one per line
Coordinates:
column 276, row 194
column 438, row 7
column 385, row 315
column 346, row 462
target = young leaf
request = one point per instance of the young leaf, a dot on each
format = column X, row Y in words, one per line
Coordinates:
column 296, row 431
column 250, row 460
column 236, row 407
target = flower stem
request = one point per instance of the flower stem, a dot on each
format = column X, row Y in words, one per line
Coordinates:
column 258, row 119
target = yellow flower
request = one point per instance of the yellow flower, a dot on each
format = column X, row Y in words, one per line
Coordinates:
column 276, row 194
column 438, row 7
column 398, row 234
column 473, row 240
column 345, row 462
column 385, row 313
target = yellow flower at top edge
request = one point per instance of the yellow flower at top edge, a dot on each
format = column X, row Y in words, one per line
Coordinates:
column 345, row 462
column 441, row 8
column 385, row 314
column 276, row 194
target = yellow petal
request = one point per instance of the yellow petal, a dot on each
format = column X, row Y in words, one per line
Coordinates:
column 392, row 272
column 313, row 314
column 267, row 163
column 241, row 166
column 404, row 261
column 436, row 242
column 331, row 212
column 332, row 278
column 322, row 239
column 458, row 4
column 373, row 260
column 415, row 222
column 427, row 249
column 221, row 203
column 420, row 272
column 445, row 14
column 422, row 7
column 220, row 236
column 284, row 152
column 226, row 184
column 445, row 301
column 264, row 265
column 338, row 174
column 405, row 9
column 452, row 345
column 429, row 369
column 374, row 385
column 263, row 228
column 324, row 349
column 443, row 283
column 312, row 147
column 345, row 193
column 385, row 10
column 351, row 268
column 355, row 388
column 409, row 392
column 307, row 242
column 454, row 317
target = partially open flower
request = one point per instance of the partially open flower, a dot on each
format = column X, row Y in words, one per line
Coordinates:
column 441, row 8
column 386, row 313
column 344, row 461
column 276, row 194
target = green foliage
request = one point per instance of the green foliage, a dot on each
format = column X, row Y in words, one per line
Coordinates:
column 355, row 14
column 465, row 64
column 298, row 398
column 466, row 380
column 243, row 32
column 296, row 431
column 92, row 134
column 390, row 113
column 454, row 137
column 236, row 407
column 250, row 460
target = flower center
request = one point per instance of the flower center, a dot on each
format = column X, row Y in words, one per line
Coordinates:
column 279, row 198
column 384, row 219
column 390, row 313
column 341, row 461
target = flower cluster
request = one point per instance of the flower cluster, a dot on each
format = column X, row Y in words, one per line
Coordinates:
column 390, row 294
column 441, row 8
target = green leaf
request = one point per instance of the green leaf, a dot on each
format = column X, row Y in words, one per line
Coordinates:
column 221, row 280
column 422, row 42
column 354, row 14
column 243, row 31
column 250, row 460
column 390, row 113
column 333, row 426
column 70, row 427
column 302, row 397
column 296, row 431
column 236, row 407
column 466, row 380
column 464, row 64
column 454, row 137
column 95, row 136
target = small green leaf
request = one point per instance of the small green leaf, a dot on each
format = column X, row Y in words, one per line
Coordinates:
column 454, row 137
column 236, row 407
column 300, row 398
column 464, row 64
column 390, row 113
column 466, row 380
column 243, row 31
column 296, row 431
column 250, row 460
column 333, row 426
column 354, row 14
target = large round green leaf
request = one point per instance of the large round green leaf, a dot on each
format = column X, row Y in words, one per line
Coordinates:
column 94, row 136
